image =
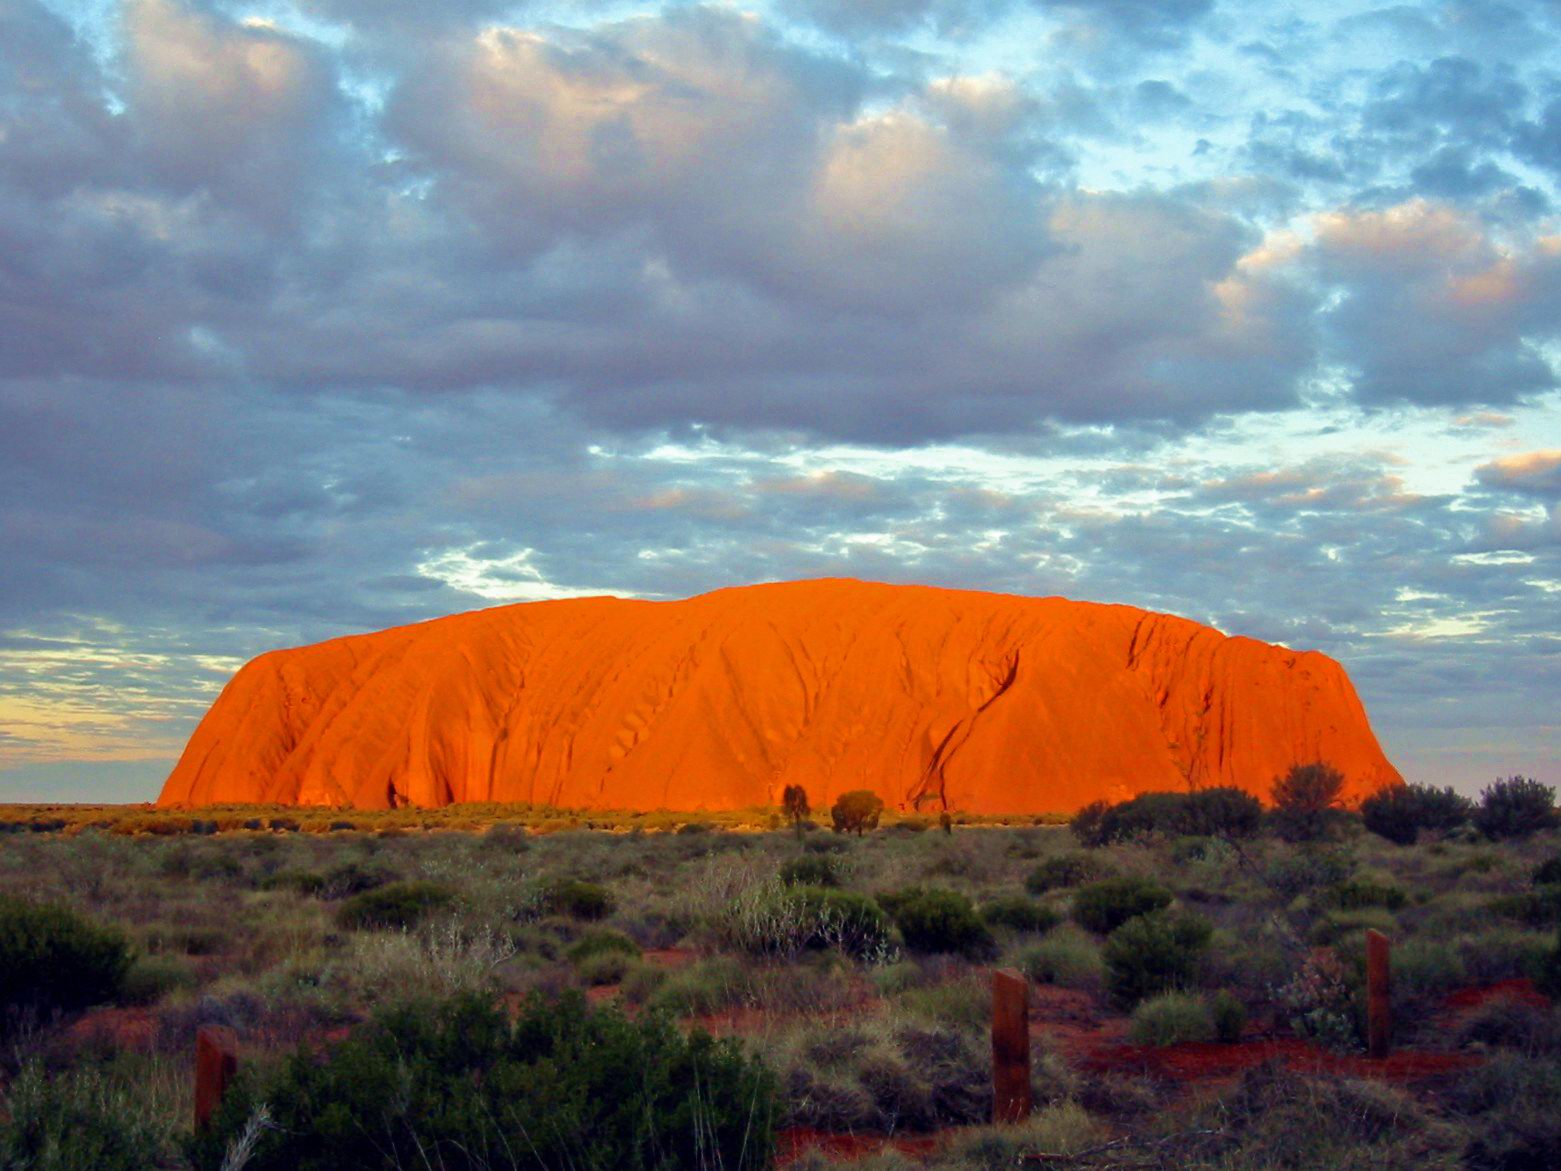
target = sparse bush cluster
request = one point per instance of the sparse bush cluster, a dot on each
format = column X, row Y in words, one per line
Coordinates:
column 456, row 1085
column 1400, row 812
column 1222, row 811
column 855, row 968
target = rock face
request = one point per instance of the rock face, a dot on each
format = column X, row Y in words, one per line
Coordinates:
column 934, row 698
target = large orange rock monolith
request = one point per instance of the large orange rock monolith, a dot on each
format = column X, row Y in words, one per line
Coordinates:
column 933, row 698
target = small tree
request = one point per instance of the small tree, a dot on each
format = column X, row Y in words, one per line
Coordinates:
column 1515, row 807
column 1306, row 799
column 794, row 800
column 856, row 812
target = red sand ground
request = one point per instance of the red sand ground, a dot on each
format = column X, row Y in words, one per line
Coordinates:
column 933, row 698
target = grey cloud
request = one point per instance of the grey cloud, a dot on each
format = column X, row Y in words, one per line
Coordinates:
column 1536, row 473
column 1432, row 312
column 879, row 17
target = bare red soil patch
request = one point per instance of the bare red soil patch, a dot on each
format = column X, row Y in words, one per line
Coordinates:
column 1521, row 991
column 133, row 1029
column 1205, row 1061
column 796, row 1142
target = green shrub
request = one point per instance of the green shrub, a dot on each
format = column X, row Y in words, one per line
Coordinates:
column 1229, row 1016
column 595, row 943
column 1171, row 1018
column 1157, row 952
column 1104, row 906
column 1019, row 914
column 811, row 870
column 1063, row 871
column 856, row 811
column 76, row 1122
column 51, row 958
column 150, row 978
column 397, row 905
column 458, row 1087
column 1399, row 812
column 1515, row 807
column 939, row 921
column 1548, row 872
column 578, row 899
column 701, row 988
column 844, row 920
column 1068, row 958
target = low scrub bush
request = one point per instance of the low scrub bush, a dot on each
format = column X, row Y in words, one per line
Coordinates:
column 1548, row 872
column 577, row 899
column 1306, row 869
column 1064, row 871
column 1104, row 906
column 1170, row 1019
column 1356, row 893
column 1222, row 811
column 811, row 870
column 1540, row 907
column 52, row 958
column 1018, row 913
column 603, row 957
column 150, row 978
column 1157, row 952
column 458, row 1086
column 76, row 1122
column 844, row 920
column 1229, row 1015
column 397, row 905
column 1068, row 958
column 1399, row 812
column 1516, row 807
column 303, row 882
column 352, row 878
column 939, row 921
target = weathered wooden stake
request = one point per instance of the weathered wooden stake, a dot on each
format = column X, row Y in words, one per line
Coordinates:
column 216, row 1061
column 1010, row 1046
column 1379, row 1020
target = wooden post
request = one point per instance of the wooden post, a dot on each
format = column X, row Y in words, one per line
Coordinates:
column 1010, row 1046
column 216, row 1061
column 1379, row 1020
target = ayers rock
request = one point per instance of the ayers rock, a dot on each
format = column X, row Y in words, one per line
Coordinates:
column 934, row 698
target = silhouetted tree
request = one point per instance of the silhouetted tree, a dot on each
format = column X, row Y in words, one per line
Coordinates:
column 1515, row 807
column 794, row 800
column 1306, row 800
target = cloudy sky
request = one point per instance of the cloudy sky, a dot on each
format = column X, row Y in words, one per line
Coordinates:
column 318, row 316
